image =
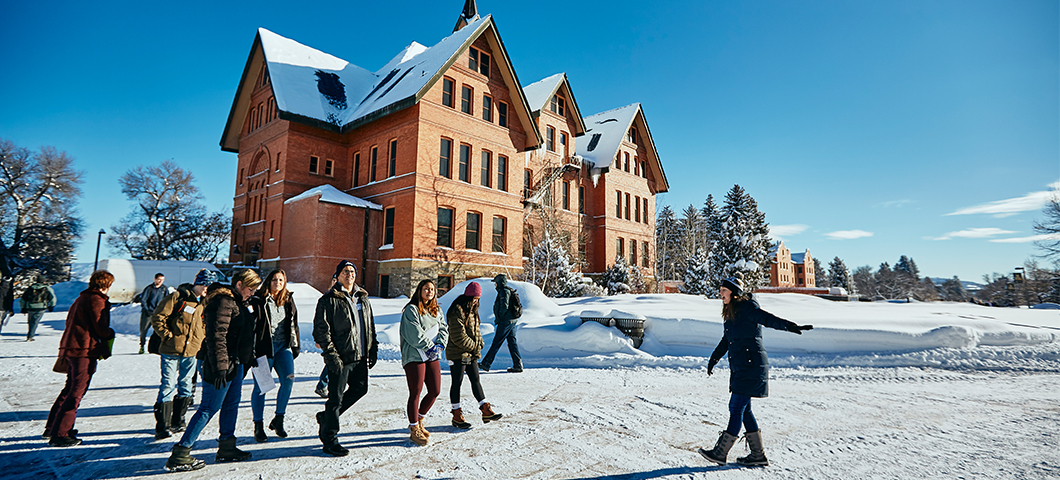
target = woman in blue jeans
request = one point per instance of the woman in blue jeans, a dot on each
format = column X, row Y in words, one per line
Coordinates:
column 228, row 350
column 748, row 366
column 275, row 337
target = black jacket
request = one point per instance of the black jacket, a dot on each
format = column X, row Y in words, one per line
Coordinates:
column 229, row 334
column 336, row 331
column 263, row 331
column 748, row 364
column 7, row 295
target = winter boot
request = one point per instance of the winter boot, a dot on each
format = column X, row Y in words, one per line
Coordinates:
column 259, row 432
column 182, row 461
column 227, row 451
column 485, row 367
column 416, row 435
column 720, row 450
column 757, row 458
column 64, row 441
column 488, row 415
column 516, row 369
column 458, row 419
column 180, row 407
column 276, row 425
column 163, row 414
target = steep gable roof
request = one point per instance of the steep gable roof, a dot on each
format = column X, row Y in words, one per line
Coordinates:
column 606, row 130
column 325, row 91
column 329, row 194
column 539, row 93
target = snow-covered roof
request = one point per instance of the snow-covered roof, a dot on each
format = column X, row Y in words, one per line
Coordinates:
column 330, row 194
column 798, row 258
column 539, row 92
column 605, row 132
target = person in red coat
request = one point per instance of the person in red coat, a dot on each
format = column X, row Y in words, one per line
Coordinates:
column 86, row 339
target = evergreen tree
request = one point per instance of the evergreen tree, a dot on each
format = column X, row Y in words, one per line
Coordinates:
column 953, row 290
column 666, row 240
column 550, row 268
column 886, row 282
column 691, row 235
column 840, row 276
column 906, row 277
column 865, row 281
column 742, row 243
column 620, row 278
column 820, row 274
column 697, row 277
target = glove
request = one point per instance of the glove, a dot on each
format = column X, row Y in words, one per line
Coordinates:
column 219, row 382
column 334, row 363
column 107, row 349
column 799, row 329
column 710, row 366
column 373, row 356
column 435, row 352
column 51, row 309
column 371, row 361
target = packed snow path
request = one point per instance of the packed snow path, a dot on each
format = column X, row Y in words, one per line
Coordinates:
column 564, row 423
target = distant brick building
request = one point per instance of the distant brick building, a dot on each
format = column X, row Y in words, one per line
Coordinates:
column 438, row 165
column 791, row 270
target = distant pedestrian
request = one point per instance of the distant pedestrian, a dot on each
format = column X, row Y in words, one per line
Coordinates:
column 7, row 299
column 178, row 322
column 345, row 330
column 276, row 337
column 86, row 339
column 34, row 301
column 463, row 350
column 152, row 295
column 423, row 335
column 504, row 319
column 228, row 350
column 748, row 368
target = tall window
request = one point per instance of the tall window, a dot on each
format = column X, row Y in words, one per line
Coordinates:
column 620, row 248
column 644, row 255
column 357, row 169
column 581, row 199
column 329, row 167
column 502, row 173
column 563, row 144
column 487, row 164
column 644, row 169
column 527, row 176
column 502, row 114
column 465, row 99
column 636, row 215
column 388, row 227
column 633, row 252
column 445, row 158
column 478, row 61
column 374, row 159
column 465, row 161
column 445, row 227
column 498, row 234
column 632, row 135
column 487, row 108
column 581, row 249
column 474, row 222
column 557, row 105
column 393, row 159
column 645, row 210
column 314, row 164
column 618, row 204
column 566, row 195
column 636, row 166
column 550, row 138
column 447, row 92
column 627, row 206
column 626, row 165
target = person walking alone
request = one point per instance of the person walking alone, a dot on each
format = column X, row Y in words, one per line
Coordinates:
column 7, row 299
column 344, row 328
column 34, row 301
column 505, row 322
column 462, row 351
column 228, row 350
column 150, row 298
column 748, row 368
column 86, row 339
column 276, row 338
column 423, row 337
column 178, row 322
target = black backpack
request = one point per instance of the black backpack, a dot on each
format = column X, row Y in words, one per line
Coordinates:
column 515, row 306
column 36, row 295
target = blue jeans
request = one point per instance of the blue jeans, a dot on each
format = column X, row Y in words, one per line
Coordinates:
column 504, row 332
column 33, row 318
column 177, row 374
column 226, row 399
column 740, row 412
column 283, row 362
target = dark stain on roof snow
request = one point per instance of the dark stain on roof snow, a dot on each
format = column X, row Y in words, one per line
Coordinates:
column 329, row 85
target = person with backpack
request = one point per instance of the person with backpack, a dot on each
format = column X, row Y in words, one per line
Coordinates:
column 35, row 300
column 152, row 295
column 463, row 350
column 506, row 310
column 178, row 323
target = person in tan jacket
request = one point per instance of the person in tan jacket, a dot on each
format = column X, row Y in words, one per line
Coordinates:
column 463, row 350
column 178, row 322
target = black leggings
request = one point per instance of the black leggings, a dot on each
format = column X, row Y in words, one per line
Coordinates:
column 456, row 372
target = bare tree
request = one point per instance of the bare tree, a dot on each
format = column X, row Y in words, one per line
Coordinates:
column 1051, row 227
column 38, row 225
column 168, row 222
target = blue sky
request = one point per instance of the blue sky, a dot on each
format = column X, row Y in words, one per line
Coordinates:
column 865, row 130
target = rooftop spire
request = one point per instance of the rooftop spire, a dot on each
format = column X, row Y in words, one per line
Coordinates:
column 467, row 16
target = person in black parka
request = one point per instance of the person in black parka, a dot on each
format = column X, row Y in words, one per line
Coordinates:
column 748, row 365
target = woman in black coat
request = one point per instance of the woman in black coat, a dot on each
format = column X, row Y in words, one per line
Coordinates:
column 276, row 337
column 748, row 366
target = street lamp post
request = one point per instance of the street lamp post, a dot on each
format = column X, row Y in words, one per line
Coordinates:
column 99, row 238
column 1018, row 278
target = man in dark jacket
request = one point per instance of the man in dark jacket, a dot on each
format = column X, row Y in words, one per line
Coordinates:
column 345, row 330
column 34, row 301
column 505, row 327
column 7, row 300
column 152, row 295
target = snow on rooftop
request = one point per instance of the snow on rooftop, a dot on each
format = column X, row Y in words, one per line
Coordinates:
column 330, row 194
column 539, row 92
column 604, row 133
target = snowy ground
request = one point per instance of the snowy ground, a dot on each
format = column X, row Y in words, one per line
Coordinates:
column 875, row 391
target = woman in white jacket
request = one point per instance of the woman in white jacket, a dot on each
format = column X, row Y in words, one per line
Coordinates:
column 424, row 333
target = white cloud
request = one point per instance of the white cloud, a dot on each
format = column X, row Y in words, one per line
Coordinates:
column 1033, row 238
column 782, row 232
column 848, row 234
column 975, row 233
column 1004, row 208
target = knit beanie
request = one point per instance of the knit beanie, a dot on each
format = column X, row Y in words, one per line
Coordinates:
column 343, row 264
column 734, row 284
column 205, row 277
column 473, row 290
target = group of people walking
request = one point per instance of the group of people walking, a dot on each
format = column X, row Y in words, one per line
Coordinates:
column 224, row 330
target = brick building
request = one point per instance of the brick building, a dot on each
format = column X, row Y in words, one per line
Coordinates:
column 791, row 270
column 438, row 165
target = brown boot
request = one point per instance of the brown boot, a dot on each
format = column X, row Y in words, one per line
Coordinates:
column 488, row 415
column 458, row 419
column 424, row 430
column 416, row 435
